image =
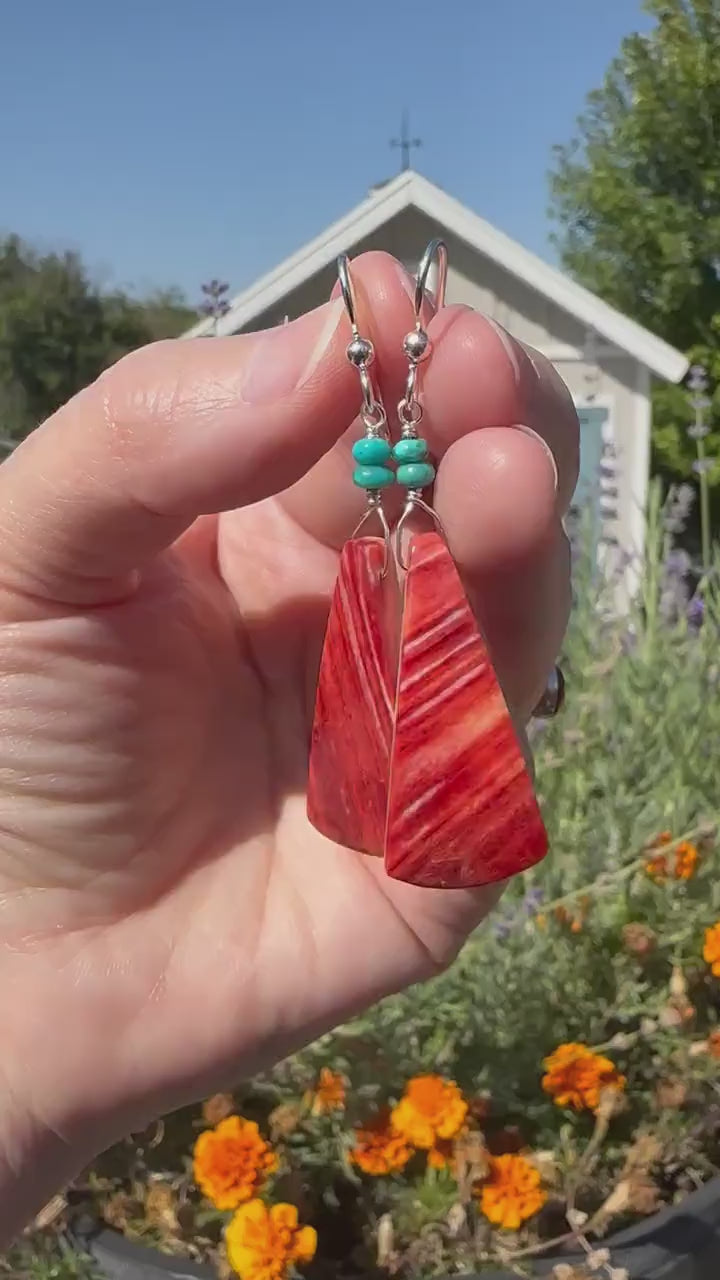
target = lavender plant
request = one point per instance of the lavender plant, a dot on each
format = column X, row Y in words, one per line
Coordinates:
column 214, row 304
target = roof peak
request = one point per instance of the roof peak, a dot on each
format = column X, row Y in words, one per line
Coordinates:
column 385, row 202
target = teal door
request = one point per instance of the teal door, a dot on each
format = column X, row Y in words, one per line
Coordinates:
column 585, row 507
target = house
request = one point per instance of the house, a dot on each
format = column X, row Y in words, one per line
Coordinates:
column 606, row 359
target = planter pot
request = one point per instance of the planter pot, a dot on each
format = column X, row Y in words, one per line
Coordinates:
column 679, row 1243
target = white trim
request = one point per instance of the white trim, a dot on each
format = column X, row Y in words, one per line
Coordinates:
column 566, row 354
column 410, row 189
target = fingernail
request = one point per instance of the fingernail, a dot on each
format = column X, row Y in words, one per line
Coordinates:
column 284, row 358
column 508, row 347
column 528, row 431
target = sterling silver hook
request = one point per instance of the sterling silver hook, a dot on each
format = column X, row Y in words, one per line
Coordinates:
column 436, row 249
column 416, row 346
column 348, row 292
column 361, row 353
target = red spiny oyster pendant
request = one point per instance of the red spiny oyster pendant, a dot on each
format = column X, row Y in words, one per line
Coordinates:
column 461, row 808
column 352, row 728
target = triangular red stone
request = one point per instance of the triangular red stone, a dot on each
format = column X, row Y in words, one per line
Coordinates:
column 461, row 807
column 352, row 729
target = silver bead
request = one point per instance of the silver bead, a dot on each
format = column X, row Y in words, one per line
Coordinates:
column 416, row 345
column 360, row 351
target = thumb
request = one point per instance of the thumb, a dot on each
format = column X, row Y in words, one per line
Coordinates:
column 175, row 430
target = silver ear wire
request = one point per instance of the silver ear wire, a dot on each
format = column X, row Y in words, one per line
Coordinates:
column 361, row 353
column 417, row 347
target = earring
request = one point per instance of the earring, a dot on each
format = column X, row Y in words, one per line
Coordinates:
column 461, row 810
column 352, row 726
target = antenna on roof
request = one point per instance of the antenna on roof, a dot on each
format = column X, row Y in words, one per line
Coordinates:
column 405, row 142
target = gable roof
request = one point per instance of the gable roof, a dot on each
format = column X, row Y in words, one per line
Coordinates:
column 411, row 189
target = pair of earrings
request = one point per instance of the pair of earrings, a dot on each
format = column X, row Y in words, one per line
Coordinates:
column 413, row 754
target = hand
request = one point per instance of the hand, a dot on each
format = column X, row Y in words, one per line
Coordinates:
column 169, row 920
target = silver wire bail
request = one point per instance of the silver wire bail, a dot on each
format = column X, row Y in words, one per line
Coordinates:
column 414, row 503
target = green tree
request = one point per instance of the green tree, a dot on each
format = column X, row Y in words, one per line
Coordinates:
column 636, row 196
column 59, row 330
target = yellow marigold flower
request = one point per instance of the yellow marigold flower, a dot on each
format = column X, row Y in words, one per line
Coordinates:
column 711, row 949
column 430, row 1108
column 576, row 1077
column 378, row 1148
column 329, row 1093
column 511, row 1193
column 686, row 859
column 267, row 1243
column 232, row 1161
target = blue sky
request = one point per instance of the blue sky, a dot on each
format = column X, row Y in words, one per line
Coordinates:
column 173, row 140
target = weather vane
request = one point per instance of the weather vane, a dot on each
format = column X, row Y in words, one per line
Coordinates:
column 405, row 142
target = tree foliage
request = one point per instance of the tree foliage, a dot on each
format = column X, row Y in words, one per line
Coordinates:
column 636, row 196
column 59, row 330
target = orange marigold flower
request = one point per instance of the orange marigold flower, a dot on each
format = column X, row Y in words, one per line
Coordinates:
column 232, row 1161
column 442, row 1154
column 711, row 948
column 378, row 1148
column 267, row 1243
column 714, row 1043
column 577, row 1077
column 686, row 858
column 511, row 1193
column 573, row 919
column 430, row 1108
column 329, row 1093
column 656, row 866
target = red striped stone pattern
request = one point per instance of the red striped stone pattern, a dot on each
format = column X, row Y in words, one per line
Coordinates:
column 461, row 807
column 352, row 729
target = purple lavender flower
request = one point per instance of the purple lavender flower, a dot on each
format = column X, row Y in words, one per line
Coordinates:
column 533, row 899
column 697, row 378
column 674, row 594
column 214, row 303
column 698, row 431
column 502, row 928
column 678, row 507
column 695, row 612
column 677, row 562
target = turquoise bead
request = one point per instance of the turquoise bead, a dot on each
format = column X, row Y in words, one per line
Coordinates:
column 415, row 475
column 371, row 451
column 410, row 449
column 373, row 477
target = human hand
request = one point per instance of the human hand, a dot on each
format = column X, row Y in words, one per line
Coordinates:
column 169, row 920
